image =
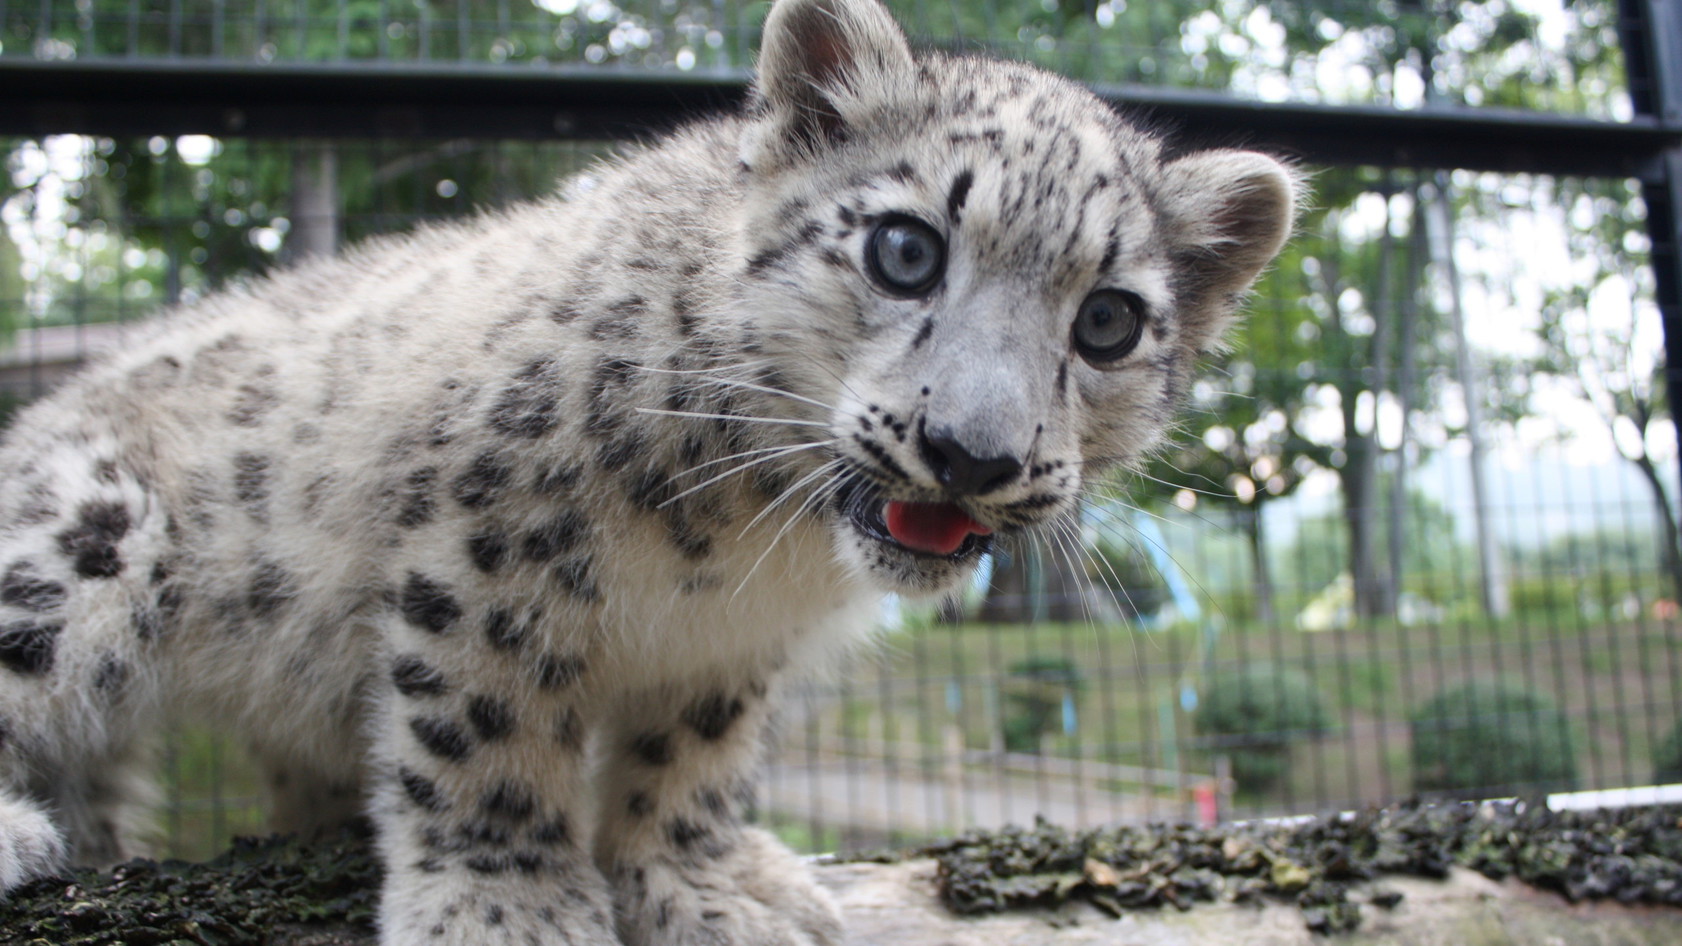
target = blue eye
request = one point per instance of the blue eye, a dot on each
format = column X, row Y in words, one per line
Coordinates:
column 906, row 256
column 1108, row 325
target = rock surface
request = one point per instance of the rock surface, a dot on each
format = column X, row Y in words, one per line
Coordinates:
column 1453, row 875
column 900, row 904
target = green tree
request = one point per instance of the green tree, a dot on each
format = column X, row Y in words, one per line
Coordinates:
column 1488, row 738
column 1593, row 339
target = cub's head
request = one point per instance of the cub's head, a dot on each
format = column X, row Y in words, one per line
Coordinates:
column 993, row 285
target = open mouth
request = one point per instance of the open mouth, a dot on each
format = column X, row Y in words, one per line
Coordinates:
column 939, row 530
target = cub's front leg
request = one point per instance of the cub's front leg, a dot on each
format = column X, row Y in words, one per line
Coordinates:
column 685, row 870
column 481, row 794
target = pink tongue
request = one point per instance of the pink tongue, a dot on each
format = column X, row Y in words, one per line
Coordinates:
column 937, row 528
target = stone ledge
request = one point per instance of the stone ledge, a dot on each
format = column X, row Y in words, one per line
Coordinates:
column 899, row 904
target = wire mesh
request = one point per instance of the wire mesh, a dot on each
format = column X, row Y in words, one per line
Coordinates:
column 1401, row 53
column 1366, row 567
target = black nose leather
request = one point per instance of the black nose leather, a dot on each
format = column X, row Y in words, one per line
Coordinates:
column 962, row 472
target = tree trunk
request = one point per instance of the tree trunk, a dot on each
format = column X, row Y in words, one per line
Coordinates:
column 1670, row 541
column 315, row 201
column 1358, row 475
column 1407, row 370
column 1261, row 574
column 1492, row 580
column 1007, row 600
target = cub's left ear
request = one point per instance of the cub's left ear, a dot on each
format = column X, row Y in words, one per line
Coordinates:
column 1229, row 214
column 821, row 65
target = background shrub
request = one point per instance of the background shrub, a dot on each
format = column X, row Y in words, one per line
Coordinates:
column 1253, row 714
column 1667, row 757
column 1034, row 697
column 1485, row 737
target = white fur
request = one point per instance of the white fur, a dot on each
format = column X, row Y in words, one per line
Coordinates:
column 427, row 523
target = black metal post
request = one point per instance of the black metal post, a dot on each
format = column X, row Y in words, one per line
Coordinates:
column 1652, row 41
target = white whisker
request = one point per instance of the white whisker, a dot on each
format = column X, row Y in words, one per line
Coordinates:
column 733, row 417
column 744, row 466
column 818, row 495
column 787, row 492
column 735, row 383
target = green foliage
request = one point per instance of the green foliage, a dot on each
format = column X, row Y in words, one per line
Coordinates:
column 1034, row 696
column 1433, row 561
column 1253, row 714
column 1129, row 577
column 1484, row 738
column 1667, row 757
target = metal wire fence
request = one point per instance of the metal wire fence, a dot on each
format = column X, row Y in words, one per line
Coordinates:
column 1416, row 535
column 1401, row 53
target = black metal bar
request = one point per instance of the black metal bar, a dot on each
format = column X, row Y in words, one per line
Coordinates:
column 1652, row 41
column 341, row 100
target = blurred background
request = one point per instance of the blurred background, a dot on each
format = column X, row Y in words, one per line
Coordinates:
column 1418, row 533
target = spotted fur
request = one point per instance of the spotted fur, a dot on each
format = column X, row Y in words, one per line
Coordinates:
column 509, row 532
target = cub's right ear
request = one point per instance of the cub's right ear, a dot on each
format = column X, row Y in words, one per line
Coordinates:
column 821, row 65
column 1229, row 214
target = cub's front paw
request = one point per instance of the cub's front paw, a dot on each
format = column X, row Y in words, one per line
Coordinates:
column 30, row 845
column 755, row 894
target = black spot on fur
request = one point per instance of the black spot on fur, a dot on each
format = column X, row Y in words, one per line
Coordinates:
column 39, row 505
column 569, row 730
column 91, row 544
column 414, row 677
column 652, row 748
column 685, row 834
column 619, row 452
column 714, row 802
column 421, row 790
column 21, row 589
column 509, row 799
column 251, row 484
column 270, row 588
column 648, row 489
column 1112, row 249
column 924, row 332
column 556, row 671
column 607, row 398
column 111, row 674
column 491, row 717
column 146, row 623
column 527, row 407
column 418, row 505
column 503, row 632
column 441, row 737
column 493, row 915
column 772, row 256
column 690, row 542
column 488, row 864
column 639, row 805
column 712, row 716
column 488, row 551
column 959, row 194
column 556, row 479
column 483, row 481
column 251, row 403
column 428, row 605
column 563, row 533
column 556, row 830
column 698, row 583
column 573, row 576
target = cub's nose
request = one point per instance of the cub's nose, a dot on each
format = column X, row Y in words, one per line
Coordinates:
column 962, row 472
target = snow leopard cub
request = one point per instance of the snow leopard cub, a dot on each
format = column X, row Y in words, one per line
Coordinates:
column 510, row 532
